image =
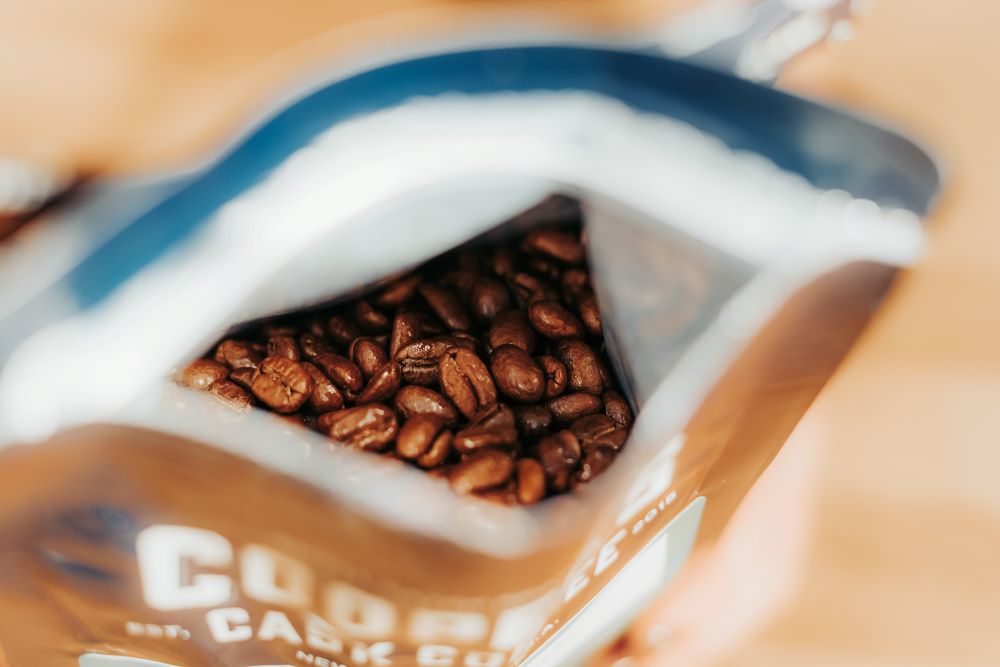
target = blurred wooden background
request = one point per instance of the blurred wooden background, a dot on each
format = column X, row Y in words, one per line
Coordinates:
column 904, row 567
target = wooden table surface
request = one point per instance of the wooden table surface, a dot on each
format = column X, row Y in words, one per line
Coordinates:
column 904, row 566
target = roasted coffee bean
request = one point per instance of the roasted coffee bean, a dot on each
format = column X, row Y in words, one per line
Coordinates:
column 398, row 292
column 231, row 394
column 533, row 421
column 341, row 330
column 243, row 377
column 530, row 481
column 438, row 452
column 383, row 385
column 440, row 472
column 568, row 407
column 467, row 324
column 201, row 373
column 272, row 329
column 405, row 329
column 419, row 360
column 511, row 327
column 561, row 246
column 516, row 374
column 446, row 306
column 556, row 375
column 344, row 372
column 504, row 261
column 585, row 372
column 487, row 298
column 528, row 288
column 616, row 407
column 237, row 354
column 281, row 384
column 466, row 381
column 574, row 284
column 369, row 318
column 598, row 430
column 312, row 346
column 559, row 454
column 413, row 400
column 417, row 435
column 461, row 280
column 503, row 495
column 553, row 321
column 481, row 470
column 372, row 427
column 493, row 426
column 590, row 315
column 325, row 396
column 367, row 355
column 594, row 463
column 283, row 346
column 543, row 267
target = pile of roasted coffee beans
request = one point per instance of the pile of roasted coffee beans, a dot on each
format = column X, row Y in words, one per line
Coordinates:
column 485, row 366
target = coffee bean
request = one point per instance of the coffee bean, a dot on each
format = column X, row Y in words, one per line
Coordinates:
column 370, row 319
column 561, row 246
column 553, row 321
column 414, row 400
column 516, row 374
column 440, row 472
column 231, row 394
column 487, row 297
column 585, row 372
column 594, row 463
column 598, row 430
column 438, row 452
column 556, row 375
column 325, row 396
column 574, row 284
column 243, row 377
column 616, row 407
column 417, row 435
column 461, row 280
column 201, row 373
column 559, row 454
column 398, row 292
column 312, row 346
column 282, row 346
column 383, row 385
column 568, row 407
column 405, row 329
column 503, row 495
column 590, row 315
column 281, row 384
column 530, row 481
column 528, row 288
column 367, row 355
column 493, row 426
column 237, row 354
column 371, row 427
column 466, row 380
column 533, row 421
column 543, row 267
column 504, row 261
column 336, row 369
column 341, row 329
column 511, row 327
column 344, row 372
column 446, row 306
column 481, row 470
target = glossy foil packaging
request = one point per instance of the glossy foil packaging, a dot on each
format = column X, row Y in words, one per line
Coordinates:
column 739, row 241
